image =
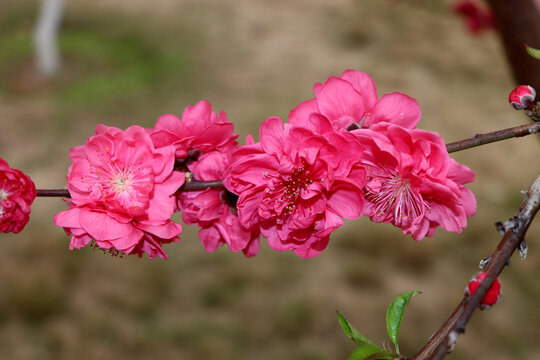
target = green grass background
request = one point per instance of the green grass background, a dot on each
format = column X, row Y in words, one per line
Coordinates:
column 128, row 62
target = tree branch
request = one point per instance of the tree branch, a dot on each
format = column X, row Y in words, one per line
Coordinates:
column 193, row 185
column 482, row 139
column 442, row 342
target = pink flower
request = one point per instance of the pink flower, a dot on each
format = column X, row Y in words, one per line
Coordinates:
column 214, row 210
column 413, row 183
column 199, row 129
column 298, row 183
column 122, row 193
column 522, row 97
column 476, row 18
column 17, row 193
column 207, row 140
column 351, row 100
column 492, row 295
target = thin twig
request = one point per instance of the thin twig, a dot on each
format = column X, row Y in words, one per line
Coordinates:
column 53, row 193
column 482, row 139
column 444, row 339
column 193, row 185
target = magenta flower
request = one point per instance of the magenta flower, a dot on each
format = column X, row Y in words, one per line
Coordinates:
column 298, row 183
column 17, row 193
column 207, row 140
column 413, row 183
column 122, row 193
column 199, row 129
column 351, row 100
column 214, row 210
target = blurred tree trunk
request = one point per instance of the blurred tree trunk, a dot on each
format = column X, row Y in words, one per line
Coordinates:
column 45, row 37
column 518, row 22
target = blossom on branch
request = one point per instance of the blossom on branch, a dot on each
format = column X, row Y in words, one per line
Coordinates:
column 214, row 210
column 17, row 193
column 412, row 182
column 351, row 100
column 199, row 128
column 298, row 183
column 122, row 193
column 209, row 137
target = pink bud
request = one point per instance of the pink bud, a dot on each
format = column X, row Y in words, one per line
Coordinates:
column 492, row 295
column 522, row 97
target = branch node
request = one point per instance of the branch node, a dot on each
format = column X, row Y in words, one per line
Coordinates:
column 523, row 249
column 484, row 262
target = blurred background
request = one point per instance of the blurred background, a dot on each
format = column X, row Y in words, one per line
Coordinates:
column 127, row 62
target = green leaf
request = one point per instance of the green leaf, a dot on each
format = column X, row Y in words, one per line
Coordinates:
column 394, row 315
column 352, row 333
column 364, row 352
column 535, row 53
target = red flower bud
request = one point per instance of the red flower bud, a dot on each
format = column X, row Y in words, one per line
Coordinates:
column 522, row 97
column 492, row 295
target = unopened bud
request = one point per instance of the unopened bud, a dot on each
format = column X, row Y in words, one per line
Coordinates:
column 522, row 97
column 492, row 295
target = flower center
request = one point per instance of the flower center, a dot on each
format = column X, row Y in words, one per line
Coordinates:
column 294, row 183
column 121, row 181
column 283, row 196
column 3, row 195
column 394, row 200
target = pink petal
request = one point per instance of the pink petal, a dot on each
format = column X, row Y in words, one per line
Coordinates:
column 101, row 226
column 362, row 83
column 210, row 238
column 340, row 102
column 347, row 201
column 315, row 248
column 300, row 114
column 396, row 108
column 68, row 218
column 168, row 230
column 169, row 123
column 272, row 135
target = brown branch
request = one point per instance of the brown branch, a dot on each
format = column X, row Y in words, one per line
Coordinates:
column 442, row 342
column 482, row 139
column 53, row 193
column 193, row 185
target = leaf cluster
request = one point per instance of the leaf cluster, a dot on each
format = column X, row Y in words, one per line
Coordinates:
column 367, row 350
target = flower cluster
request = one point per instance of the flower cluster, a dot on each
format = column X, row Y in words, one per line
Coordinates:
column 17, row 193
column 345, row 154
column 341, row 155
column 206, row 142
